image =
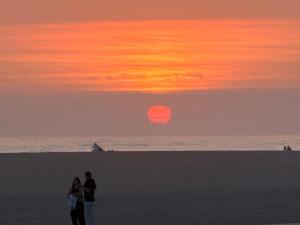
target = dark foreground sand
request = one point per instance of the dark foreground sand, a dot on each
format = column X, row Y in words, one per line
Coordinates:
column 155, row 188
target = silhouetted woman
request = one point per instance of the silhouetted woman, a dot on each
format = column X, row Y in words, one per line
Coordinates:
column 75, row 195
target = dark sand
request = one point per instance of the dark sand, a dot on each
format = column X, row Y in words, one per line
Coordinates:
column 155, row 188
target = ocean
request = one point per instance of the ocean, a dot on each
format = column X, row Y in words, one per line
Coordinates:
column 178, row 143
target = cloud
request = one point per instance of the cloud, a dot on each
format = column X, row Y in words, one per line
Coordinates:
column 116, row 56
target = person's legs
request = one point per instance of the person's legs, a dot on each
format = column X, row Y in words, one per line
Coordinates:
column 89, row 213
column 80, row 213
column 74, row 217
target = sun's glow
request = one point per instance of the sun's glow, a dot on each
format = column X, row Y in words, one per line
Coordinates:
column 159, row 114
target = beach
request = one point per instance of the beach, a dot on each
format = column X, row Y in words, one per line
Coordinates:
column 154, row 188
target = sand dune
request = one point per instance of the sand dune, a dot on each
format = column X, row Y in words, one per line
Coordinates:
column 155, row 188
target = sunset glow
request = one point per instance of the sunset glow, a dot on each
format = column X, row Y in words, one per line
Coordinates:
column 159, row 114
column 150, row 56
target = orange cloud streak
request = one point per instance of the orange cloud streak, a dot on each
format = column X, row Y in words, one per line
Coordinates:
column 150, row 56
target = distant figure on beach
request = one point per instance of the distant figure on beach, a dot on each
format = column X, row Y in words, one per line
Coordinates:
column 96, row 148
column 75, row 202
column 89, row 199
column 287, row 148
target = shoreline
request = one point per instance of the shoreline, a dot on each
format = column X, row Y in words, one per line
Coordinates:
column 155, row 151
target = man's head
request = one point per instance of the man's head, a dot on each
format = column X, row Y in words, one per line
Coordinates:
column 87, row 175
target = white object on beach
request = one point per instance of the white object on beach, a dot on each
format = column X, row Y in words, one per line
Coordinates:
column 72, row 201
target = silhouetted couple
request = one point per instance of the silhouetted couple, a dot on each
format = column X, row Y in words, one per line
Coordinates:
column 81, row 200
column 287, row 148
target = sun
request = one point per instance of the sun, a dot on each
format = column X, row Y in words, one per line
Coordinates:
column 159, row 114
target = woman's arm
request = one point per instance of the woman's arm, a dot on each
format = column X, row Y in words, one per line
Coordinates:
column 81, row 190
column 69, row 192
column 79, row 193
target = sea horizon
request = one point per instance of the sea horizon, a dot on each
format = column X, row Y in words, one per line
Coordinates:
column 150, row 143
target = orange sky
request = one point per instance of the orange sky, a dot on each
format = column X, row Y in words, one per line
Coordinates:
column 60, row 11
column 151, row 56
column 223, row 67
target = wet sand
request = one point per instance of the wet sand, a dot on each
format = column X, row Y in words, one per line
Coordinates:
column 155, row 188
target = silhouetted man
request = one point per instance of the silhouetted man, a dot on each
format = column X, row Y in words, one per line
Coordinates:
column 89, row 199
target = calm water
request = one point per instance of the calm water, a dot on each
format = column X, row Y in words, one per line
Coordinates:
column 201, row 143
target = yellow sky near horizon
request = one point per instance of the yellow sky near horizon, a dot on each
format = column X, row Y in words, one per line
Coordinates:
column 150, row 56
